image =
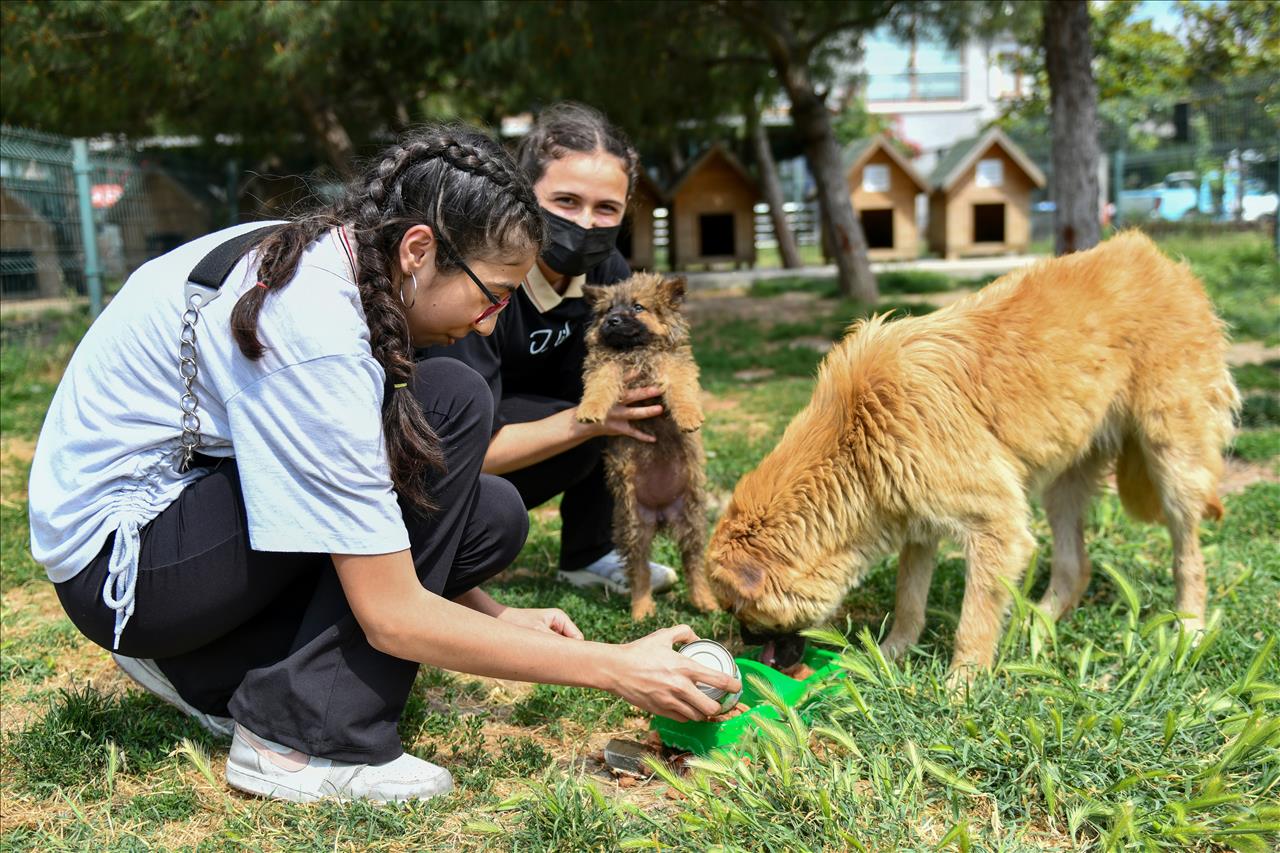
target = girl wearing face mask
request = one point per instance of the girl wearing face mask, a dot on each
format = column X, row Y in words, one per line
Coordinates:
column 330, row 528
column 583, row 170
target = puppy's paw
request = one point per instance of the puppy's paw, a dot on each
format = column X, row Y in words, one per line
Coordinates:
column 704, row 601
column 642, row 608
column 1194, row 626
column 687, row 421
column 960, row 679
column 591, row 413
column 895, row 648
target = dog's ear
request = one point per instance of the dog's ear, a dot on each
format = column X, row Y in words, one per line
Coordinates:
column 745, row 580
column 595, row 295
column 673, row 289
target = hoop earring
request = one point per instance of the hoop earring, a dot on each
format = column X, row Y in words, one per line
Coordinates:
column 413, row 298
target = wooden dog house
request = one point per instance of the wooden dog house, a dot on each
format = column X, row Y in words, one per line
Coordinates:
column 635, row 240
column 29, row 250
column 712, row 216
column 883, row 187
column 980, row 197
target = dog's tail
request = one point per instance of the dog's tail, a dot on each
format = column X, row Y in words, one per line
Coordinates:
column 1133, row 481
column 1138, row 492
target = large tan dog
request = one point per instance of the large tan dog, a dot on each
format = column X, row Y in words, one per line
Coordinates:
column 941, row 426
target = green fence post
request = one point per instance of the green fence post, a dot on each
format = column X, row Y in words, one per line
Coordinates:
column 88, row 231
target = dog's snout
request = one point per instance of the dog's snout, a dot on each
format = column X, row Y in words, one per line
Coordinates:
column 612, row 320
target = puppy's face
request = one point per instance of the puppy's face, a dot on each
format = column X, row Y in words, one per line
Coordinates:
column 641, row 312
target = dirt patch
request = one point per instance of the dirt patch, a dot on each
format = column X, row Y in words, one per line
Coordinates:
column 736, row 305
column 1240, row 474
column 814, row 343
column 78, row 663
column 15, row 455
column 718, row 404
column 1251, row 352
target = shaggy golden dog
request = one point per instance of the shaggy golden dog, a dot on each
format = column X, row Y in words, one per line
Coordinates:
column 943, row 425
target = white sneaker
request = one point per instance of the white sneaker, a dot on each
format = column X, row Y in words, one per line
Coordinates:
column 145, row 672
column 610, row 572
column 269, row 769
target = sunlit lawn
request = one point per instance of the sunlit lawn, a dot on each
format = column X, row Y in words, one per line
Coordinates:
column 1114, row 731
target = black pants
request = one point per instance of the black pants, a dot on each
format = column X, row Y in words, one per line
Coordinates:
column 269, row 637
column 586, row 510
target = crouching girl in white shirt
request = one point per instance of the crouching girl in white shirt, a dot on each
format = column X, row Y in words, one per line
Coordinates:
column 272, row 515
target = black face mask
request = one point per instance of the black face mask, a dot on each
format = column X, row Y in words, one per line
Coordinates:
column 571, row 249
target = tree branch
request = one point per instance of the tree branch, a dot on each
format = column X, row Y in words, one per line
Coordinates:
column 714, row 61
column 807, row 45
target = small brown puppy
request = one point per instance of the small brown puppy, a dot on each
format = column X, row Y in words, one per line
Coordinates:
column 638, row 337
column 945, row 425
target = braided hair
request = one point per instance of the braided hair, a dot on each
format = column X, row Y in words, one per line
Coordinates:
column 466, row 187
column 572, row 127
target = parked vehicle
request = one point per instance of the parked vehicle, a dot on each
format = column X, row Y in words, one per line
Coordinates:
column 1171, row 199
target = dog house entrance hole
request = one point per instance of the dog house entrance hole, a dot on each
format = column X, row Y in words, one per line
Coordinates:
column 877, row 225
column 715, row 231
column 988, row 223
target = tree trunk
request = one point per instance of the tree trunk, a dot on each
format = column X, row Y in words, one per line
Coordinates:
column 331, row 137
column 676, row 156
column 772, row 189
column 1073, row 105
column 854, row 275
column 769, row 23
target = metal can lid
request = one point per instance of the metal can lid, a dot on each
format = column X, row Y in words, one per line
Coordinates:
column 712, row 655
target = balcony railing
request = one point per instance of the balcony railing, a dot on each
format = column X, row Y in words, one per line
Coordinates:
column 918, row 86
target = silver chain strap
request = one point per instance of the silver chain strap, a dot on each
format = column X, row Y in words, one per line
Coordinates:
column 187, row 371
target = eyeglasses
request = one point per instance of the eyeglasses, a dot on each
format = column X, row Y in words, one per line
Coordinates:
column 495, row 304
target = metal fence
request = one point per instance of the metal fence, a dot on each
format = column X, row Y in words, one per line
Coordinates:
column 1205, row 159
column 135, row 205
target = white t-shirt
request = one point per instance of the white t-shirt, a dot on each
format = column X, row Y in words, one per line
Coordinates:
column 304, row 422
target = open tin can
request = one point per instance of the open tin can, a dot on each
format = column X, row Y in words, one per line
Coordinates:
column 712, row 655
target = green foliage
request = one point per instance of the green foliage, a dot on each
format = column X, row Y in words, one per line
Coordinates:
column 70, row 746
column 1260, row 410
column 161, row 807
column 274, row 75
column 561, row 814
column 892, row 281
column 1242, row 278
column 1257, row 446
column 1107, row 730
column 1257, row 377
column 1141, row 72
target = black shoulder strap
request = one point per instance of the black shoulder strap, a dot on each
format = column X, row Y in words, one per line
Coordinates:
column 214, row 268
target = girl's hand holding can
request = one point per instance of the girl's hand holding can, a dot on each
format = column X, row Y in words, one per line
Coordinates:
column 649, row 674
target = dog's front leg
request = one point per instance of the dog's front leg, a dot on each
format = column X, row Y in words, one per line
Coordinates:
column 603, row 388
column 680, row 390
column 915, row 572
column 994, row 552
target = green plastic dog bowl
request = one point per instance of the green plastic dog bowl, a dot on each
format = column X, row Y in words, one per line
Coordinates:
column 702, row 737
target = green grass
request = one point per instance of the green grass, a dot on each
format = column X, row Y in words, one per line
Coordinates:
column 725, row 347
column 890, row 282
column 1243, row 279
column 1106, row 731
column 1258, row 377
column 1257, row 445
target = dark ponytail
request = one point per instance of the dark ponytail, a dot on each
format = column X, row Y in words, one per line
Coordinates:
column 453, row 178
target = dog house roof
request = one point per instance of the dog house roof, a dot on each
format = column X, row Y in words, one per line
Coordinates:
column 961, row 156
column 857, row 154
column 716, row 150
